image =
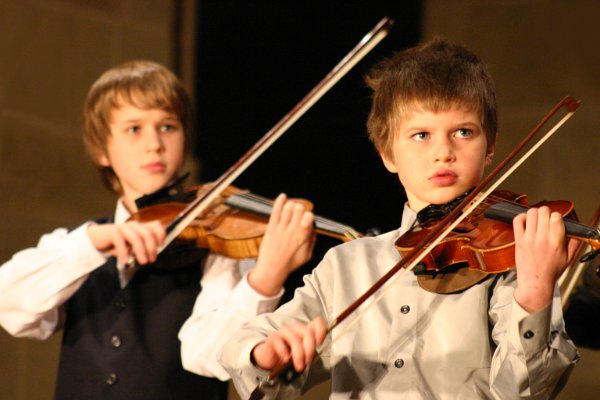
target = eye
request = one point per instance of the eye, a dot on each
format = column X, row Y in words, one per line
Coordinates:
column 134, row 129
column 420, row 136
column 464, row 133
column 169, row 127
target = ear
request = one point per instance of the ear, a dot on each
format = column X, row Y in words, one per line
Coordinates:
column 389, row 164
column 102, row 160
column 490, row 155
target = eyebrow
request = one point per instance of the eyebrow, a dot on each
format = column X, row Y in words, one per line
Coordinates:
column 166, row 118
column 421, row 128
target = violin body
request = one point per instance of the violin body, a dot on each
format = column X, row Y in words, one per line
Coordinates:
column 222, row 230
column 477, row 247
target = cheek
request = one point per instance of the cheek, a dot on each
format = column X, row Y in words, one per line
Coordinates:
column 478, row 169
column 177, row 147
column 182, row 147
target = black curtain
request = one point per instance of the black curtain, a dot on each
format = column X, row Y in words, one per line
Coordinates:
column 255, row 61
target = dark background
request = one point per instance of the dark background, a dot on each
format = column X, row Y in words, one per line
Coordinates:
column 256, row 61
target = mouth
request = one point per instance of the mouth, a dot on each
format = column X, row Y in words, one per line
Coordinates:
column 155, row 167
column 444, row 178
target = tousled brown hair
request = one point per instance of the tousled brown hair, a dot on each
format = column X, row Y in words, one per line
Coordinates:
column 436, row 75
column 143, row 84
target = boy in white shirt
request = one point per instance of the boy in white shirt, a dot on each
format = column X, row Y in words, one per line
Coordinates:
column 121, row 325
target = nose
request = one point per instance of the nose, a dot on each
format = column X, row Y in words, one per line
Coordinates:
column 444, row 150
column 153, row 140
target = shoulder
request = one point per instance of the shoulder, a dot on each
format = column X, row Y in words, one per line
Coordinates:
column 370, row 252
column 368, row 242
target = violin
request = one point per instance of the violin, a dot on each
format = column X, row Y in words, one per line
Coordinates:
column 234, row 223
column 483, row 243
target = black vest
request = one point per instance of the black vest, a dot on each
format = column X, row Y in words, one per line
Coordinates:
column 122, row 343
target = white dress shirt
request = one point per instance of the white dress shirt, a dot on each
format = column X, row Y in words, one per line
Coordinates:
column 36, row 282
column 413, row 344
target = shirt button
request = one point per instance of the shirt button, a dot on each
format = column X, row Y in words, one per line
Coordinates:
column 405, row 309
column 111, row 379
column 399, row 363
column 528, row 335
column 115, row 341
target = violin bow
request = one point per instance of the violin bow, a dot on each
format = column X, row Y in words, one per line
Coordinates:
column 440, row 231
column 196, row 207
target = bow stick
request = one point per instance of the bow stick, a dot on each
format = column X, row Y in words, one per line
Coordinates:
column 369, row 41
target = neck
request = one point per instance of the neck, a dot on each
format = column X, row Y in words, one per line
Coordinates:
column 129, row 204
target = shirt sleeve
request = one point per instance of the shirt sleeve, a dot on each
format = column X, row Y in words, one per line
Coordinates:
column 309, row 301
column 36, row 282
column 534, row 355
column 226, row 302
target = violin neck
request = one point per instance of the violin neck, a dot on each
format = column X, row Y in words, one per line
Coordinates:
column 262, row 206
column 505, row 211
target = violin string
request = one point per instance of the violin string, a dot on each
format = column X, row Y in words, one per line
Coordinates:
column 509, row 210
column 264, row 207
column 323, row 221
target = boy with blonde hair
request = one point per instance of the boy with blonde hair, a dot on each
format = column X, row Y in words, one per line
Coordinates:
column 433, row 121
column 122, row 326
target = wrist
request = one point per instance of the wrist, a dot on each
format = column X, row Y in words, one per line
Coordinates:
column 94, row 233
column 264, row 283
column 533, row 299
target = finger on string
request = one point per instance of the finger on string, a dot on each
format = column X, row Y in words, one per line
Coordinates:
column 296, row 216
column 557, row 229
column 531, row 223
column 287, row 213
column 519, row 226
column 277, row 208
column 308, row 220
column 543, row 220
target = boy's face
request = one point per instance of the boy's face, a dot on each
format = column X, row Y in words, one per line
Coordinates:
column 145, row 149
column 438, row 156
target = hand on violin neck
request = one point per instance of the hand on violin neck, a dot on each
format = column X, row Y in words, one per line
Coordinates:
column 132, row 238
column 287, row 244
column 541, row 255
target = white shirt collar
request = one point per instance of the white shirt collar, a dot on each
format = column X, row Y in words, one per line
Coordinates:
column 409, row 217
column 121, row 212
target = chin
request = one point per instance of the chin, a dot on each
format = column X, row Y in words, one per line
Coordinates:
column 152, row 188
column 447, row 197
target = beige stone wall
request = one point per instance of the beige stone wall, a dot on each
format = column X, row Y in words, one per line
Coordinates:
column 52, row 51
column 538, row 51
